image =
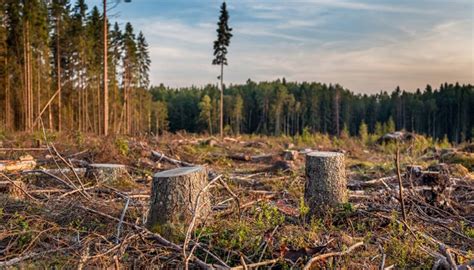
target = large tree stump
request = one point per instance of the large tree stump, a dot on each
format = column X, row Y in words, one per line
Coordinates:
column 326, row 184
column 174, row 200
column 110, row 173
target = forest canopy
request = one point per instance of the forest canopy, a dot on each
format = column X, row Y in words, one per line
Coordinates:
column 288, row 108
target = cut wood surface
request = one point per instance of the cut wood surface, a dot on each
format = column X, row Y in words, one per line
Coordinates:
column 24, row 163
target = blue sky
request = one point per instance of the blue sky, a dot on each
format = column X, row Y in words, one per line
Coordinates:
column 366, row 45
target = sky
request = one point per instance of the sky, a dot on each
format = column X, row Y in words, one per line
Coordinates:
column 364, row 45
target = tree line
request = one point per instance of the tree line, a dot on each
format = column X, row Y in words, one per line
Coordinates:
column 52, row 69
column 52, row 76
column 290, row 108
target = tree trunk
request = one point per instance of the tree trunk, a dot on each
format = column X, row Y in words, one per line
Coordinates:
column 174, row 200
column 59, row 75
column 106, row 86
column 222, row 102
column 326, row 184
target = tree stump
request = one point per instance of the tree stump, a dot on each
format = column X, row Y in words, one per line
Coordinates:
column 326, row 184
column 174, row 200
column 111, row 173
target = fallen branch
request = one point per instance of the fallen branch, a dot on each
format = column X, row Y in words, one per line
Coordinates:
column 310, row 263
column 162, row 156
column 29, row 256
column 255, row 265
column 160, row 239
column 23, row 149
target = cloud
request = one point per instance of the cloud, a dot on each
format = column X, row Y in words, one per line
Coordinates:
column 365, row 46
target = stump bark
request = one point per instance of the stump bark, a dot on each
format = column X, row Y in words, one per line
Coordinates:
column 174, row 200
column 106, row 172
column 326, row 184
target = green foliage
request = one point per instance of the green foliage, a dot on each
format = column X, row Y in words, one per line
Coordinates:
column 79, row 138
column 390, row 125
column 363, row 132
column 467, row 229
column 122, row 146
column 402, row 249
column 444, row 143
column 379, row 130
column 303, row 209
column 205, row 108
column 307, row 137
column 223, row 37
column 268, row 216
column 345, row 132
column 420, row 144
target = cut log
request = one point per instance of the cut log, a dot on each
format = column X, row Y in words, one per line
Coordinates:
column 13, row 189
column 174, row 197
column 25, row 163
column 111, row 173
column 326, row 184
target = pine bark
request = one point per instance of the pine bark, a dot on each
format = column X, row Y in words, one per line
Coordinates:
column 173, row 200
column 326, row 184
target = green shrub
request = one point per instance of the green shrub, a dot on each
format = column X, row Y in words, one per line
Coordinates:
column 122, row 146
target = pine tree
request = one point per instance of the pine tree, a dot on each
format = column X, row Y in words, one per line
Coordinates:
column 390, row 125
column 363, row 132
column 115, row 55
column 238, row 106
column 205, row 112
column 3, row 70
column 59, row 13
column 129, row 71
column 95, row 67
column 143, row 61
column 220, row 53
column 77, row 33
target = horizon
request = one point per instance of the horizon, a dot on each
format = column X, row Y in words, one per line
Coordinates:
column 365, row 46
